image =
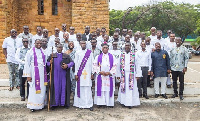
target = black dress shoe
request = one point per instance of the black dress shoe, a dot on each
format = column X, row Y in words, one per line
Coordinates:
column 174, row 95
column 140, row 96
column 181, row 97
column 130, row 107
column 32, row 110
column 156, row 95
column 99, row 106
column 91, row 108
column 22, row 98
column 67, row 107
column 145, row 96
column 164, row 96
column 169, row 86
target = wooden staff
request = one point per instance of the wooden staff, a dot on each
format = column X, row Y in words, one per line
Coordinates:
column 50, row 80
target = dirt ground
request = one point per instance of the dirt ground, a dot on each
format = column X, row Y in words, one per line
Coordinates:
column 172, row 112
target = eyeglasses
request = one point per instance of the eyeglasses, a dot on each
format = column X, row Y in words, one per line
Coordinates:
column 25, row 41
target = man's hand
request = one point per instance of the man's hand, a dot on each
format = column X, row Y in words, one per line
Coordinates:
column 102, row 73
column 168, row 71
column 76, row 77
column 92, row 77
column 64, row 66
column 29, row 79
column 108, row 74
column 137, row 78
column 51, row 61
column 184, row 70
column 152, row 74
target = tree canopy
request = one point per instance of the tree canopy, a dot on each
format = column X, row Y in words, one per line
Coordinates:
column 183, row 19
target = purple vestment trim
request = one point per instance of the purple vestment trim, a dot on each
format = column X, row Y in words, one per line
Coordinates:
column 99, row 80
column 82, row 66
column 37, row 75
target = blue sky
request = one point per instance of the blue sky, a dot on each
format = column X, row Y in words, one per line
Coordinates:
column 124, row 4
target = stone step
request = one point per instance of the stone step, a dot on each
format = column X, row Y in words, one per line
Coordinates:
column 189, row 88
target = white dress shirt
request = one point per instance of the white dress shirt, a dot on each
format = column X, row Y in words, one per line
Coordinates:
column 144, row 58
column 72, row 37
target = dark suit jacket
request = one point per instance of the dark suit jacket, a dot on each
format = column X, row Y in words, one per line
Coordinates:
column 85, row 38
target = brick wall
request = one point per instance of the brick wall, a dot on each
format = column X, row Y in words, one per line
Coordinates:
column 78, row 13
column 94, row 13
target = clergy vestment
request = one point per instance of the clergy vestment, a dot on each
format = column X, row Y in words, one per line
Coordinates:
column 104, row 85
column 128, row 92
column 35, row 68
column 60, row 80
column 83, row 68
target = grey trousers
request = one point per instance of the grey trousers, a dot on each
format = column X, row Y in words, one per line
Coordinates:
column 13, row 74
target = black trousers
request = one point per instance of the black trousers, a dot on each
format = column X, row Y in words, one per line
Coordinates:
column 142, row 82
column 179, row 74
column 22, row 84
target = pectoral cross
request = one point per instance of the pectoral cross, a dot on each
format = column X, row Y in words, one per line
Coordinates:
column 84, row 74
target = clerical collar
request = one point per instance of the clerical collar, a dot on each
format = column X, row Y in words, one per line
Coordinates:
column 105, row 54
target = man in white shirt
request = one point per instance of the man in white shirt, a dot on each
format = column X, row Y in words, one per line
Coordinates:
column 137, row 41
column 124, row 33
column 116, row 53
column 144, row 58
column 153, row 33
column 53, row 37
column 27, row 35
column 20, row 58
column 10, row 45
column 149, row 46
column 72, row 35
column 61, row 33
column 103, row 33
column 37, row 36
column 162, row 41
column 168, row 33
column 171, row 46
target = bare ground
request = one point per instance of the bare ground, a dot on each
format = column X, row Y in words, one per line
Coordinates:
column 174, row 112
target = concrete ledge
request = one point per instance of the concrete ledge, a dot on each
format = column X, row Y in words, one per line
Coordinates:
column 155, row 102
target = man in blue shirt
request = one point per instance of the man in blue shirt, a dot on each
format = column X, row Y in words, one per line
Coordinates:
column 160, row 69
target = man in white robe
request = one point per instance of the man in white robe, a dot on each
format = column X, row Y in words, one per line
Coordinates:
column 128, row 92
column 83, row 74
column 36, row 98
column 39, row 35
column 105, row 67
column 116, row 53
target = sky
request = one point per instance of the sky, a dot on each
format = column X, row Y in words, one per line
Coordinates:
column 124, row 4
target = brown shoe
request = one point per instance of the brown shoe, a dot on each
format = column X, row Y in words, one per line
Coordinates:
column 11, row 88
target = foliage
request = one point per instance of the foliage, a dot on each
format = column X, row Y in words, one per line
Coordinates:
column 180, row 18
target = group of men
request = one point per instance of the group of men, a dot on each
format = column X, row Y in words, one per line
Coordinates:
column 67, row 63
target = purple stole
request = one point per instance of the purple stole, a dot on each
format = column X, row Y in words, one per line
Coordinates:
column 37, row 75
column 82, row 66
column 99, row 80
